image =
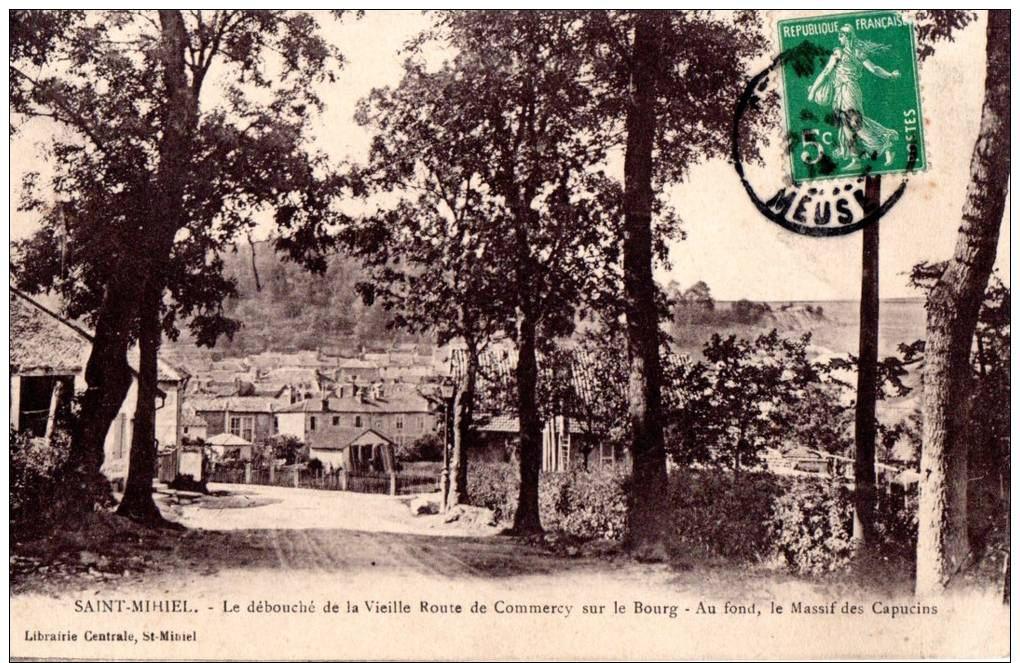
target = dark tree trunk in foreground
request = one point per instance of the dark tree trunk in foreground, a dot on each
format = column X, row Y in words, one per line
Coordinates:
column 137, row 503
column 463, row 411
column 180, row 122
column 953, row 306
column 108, row 378
column 646, row 529
column 867, row 381
column 526, row 518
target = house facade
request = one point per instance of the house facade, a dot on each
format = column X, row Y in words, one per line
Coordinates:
column 319, row 420
column 251, row 418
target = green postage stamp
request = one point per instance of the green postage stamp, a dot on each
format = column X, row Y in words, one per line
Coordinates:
column 853, row 105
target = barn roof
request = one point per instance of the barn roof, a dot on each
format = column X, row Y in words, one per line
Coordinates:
column 42, row 340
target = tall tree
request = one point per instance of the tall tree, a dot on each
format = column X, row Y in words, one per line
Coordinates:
column 953, row 306
column 673, row 80
column 552, row 231
column 152, row 184
column 427, row 261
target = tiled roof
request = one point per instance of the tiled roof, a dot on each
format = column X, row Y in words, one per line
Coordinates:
column 44, row 340
column 499, row 423
column 227, row 440
column 345, row 438
column 236, row 404
column 371, row 405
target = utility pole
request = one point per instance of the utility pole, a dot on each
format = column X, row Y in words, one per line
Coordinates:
column 867, row 375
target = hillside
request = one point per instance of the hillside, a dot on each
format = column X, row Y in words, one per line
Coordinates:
column 833, row 324
column 288, row 308
column 282, row 306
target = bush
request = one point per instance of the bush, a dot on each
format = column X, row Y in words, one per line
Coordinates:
column 711, row 515
column 804, row 522
column 44, row 495
column 494, row 486
column 812, row 525
column 588, row 505
column 34, row 464
column 428, row 447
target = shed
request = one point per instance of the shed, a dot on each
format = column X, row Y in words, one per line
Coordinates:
column 356, row 451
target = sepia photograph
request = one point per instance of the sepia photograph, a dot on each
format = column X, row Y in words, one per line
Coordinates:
column 490, row 334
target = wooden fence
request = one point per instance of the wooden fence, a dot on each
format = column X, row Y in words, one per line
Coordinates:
column 383, row 483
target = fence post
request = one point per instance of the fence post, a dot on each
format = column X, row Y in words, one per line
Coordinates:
column 393, row 483
column 343, row 479
column 272, row 471
column 297, row 477
column 247, row 472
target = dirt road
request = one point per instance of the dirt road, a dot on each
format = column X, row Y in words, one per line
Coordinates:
column 284, row 573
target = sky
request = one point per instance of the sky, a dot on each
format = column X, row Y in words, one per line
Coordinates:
column 738, row 253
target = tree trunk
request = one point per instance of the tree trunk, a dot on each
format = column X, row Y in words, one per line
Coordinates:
column 180, row 121
column 526, row 518
column 108, row 379
column 463, row 410
column 953, row 306
column 646, row 530
column 137, row 503
column 867, row 380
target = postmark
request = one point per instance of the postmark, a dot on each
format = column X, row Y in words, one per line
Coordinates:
column 834, row 113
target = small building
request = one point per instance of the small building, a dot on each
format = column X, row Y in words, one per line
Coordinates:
column 226, row 445
column 565, row 444
column 355, row 451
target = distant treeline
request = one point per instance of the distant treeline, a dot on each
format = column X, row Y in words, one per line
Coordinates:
column 282, row 306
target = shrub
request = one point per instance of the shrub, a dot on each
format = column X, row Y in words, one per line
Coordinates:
column 428, row 447
column 712, row 515
column 34, row 462
column 494, row 486
column 588, row 505
column 812, row 525
column 805, row 522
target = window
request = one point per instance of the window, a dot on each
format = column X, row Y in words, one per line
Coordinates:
column 400, row 422
column 311, row 422
column 276, row 424
column 243, row 427
column 421, row 423
column 357, row 421
column 336, row 421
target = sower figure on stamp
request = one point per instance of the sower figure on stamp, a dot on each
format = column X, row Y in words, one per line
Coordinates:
column 839, row 86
